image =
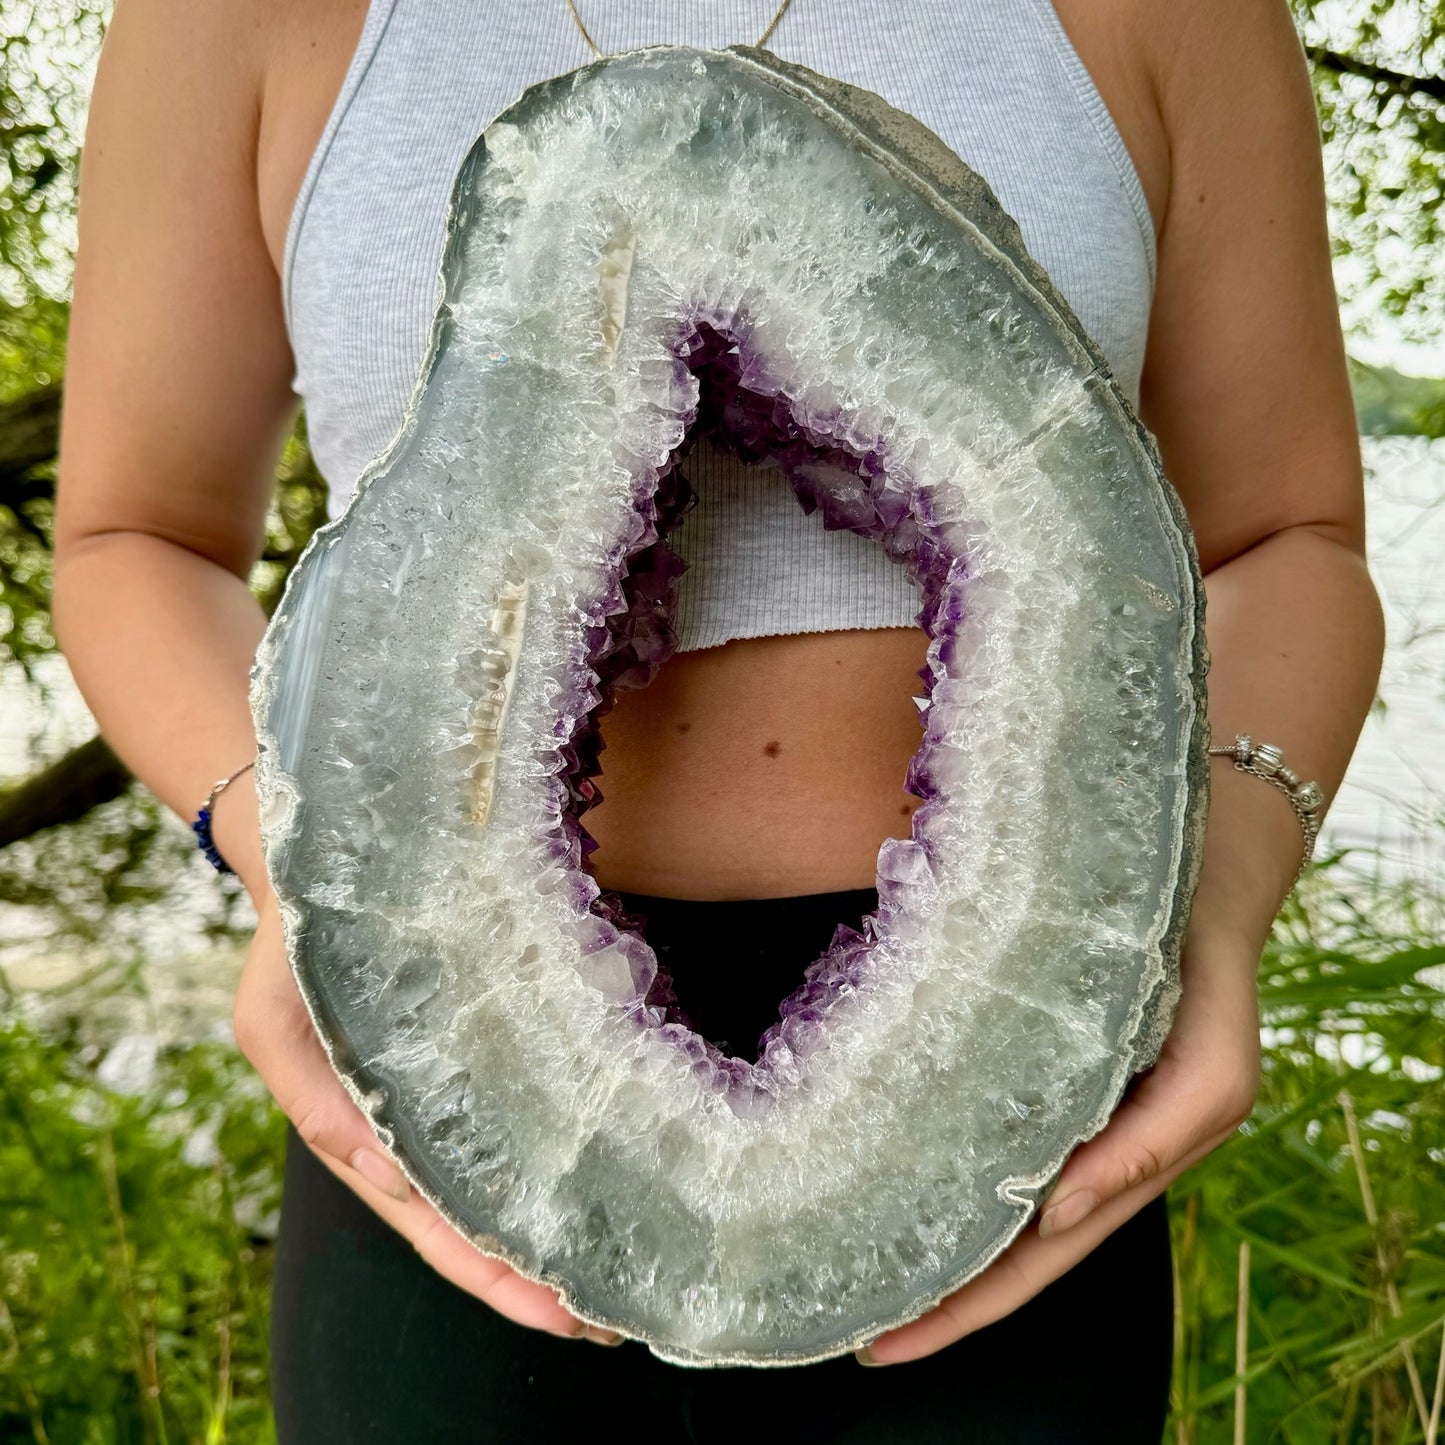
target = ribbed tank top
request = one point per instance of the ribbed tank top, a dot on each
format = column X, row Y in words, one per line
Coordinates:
column 998, row 80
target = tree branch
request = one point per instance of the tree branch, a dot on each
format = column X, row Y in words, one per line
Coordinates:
column 64, row 792
column 1397, row 80
column 1391, row 403
column 29, row 435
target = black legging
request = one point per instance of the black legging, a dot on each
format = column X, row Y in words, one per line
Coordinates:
column 370, row 1345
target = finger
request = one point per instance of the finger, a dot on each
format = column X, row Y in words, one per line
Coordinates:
column 494, row 1281
column 1172, row 1114
column 1018, row 1274
column 491, row 1280
column 274, row 1031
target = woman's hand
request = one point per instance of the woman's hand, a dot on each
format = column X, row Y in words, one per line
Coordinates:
column 1195, row 1097
column 275, row 1033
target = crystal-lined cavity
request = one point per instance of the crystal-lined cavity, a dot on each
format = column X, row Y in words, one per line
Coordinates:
column 665, row 245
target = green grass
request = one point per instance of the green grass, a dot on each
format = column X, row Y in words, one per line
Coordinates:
column 133, row 1268
column 135, row 1258
column 1333, row 1192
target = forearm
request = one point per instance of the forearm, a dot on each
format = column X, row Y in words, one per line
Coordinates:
column 1296, row 638
column 160, row 641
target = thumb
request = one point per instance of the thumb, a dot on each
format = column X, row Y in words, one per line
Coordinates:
column 274, row 1031
column 1154, row 1135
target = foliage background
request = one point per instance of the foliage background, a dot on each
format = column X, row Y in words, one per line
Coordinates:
column 140, row 1156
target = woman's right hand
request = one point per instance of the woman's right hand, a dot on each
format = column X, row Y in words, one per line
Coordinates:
column 275, row 1032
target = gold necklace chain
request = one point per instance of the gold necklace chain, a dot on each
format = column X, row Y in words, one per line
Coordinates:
column 592, row 45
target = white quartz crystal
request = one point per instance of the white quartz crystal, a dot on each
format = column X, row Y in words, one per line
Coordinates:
column 439, row 646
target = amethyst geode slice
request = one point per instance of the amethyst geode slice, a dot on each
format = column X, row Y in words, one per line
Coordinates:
column 666, row 244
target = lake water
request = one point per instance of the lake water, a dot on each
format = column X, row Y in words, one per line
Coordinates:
column 1393, row 797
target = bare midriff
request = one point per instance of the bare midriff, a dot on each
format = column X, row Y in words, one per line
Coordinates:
column 763, row 768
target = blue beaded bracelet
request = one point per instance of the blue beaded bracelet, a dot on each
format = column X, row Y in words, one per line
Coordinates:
column 202, row 826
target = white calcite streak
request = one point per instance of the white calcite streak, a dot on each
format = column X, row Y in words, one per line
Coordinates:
column 665, row 244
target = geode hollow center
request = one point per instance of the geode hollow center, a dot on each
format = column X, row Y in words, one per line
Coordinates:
column 667, row 243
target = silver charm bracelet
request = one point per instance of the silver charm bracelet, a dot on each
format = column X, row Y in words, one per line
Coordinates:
column 1267, row 762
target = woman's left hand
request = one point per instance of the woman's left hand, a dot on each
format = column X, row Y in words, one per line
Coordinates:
column 1194, row 1098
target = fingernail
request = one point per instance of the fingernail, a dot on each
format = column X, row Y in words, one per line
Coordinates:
column 603, row 1337
column 862, row 1355
column 578, row 1332
column 382, row 1173
column 1067, row 1212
